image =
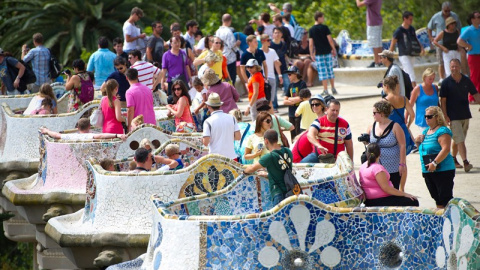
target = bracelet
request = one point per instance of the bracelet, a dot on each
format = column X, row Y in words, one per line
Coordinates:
column 403, row 164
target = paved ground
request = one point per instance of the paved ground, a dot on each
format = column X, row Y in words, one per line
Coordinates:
column 356, row 108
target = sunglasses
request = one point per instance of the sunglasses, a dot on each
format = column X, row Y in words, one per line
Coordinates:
column 316, row 104
column 267, row 40
column 268, row 121
column 216, row 42
column 429, row 116
column 177, row 88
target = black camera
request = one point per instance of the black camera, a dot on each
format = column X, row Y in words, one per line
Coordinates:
column 67, row 71
column 364, row 137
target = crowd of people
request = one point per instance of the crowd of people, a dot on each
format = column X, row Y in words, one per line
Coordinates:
column 197, row 75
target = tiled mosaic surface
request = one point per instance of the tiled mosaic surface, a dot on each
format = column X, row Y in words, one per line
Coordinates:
column 316, row 235
column 16, row 102
column 351, row 47
column 19, row 143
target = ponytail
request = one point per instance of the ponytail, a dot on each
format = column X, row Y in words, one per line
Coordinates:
column 373, row 152
column 110, row 86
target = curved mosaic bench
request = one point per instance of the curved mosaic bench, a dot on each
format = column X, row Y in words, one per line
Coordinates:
column 19, row 143
column 117, row 209
column 20, row 102
column 304, row 233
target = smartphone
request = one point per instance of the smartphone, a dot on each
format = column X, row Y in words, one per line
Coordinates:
column 260, row 146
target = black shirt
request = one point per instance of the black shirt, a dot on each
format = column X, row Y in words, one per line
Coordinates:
column 281, row 50
column 293, row 89
column 157, row 45
column 259, row 55
column 457, row 97
column 319, row 33
column 401, row 35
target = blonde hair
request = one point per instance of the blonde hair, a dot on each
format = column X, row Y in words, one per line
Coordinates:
column 110, row 86
column 172, row 149
column 146, row 142
column 132, row 165
column 428, row 72
column 439, row 113
column 237, row 114
column 138, row 120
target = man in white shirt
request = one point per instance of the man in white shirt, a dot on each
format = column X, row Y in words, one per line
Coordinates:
column 225, row 33
column 131, row 33
column 192, row 27
column 273, row 63
column 220, row 130
column 84, row 134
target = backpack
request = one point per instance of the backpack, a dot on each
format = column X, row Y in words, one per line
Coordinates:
column 27, row 78
column 54, row 65
column 86, row 90
column 292, row 50
column 291, row 182
column 298, row 32
column 408, row 84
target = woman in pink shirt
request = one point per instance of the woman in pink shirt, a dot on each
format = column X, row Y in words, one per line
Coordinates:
column 181, row 107
column 111, row 109
column 375, row 181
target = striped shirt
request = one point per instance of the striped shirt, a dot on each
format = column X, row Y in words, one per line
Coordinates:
column 146, row 71
column 40, row 57
column 326, row 133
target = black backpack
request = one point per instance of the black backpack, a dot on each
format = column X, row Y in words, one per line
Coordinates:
column 406, row 81
column 55, row 67
column 291, row 182
column 27, row 78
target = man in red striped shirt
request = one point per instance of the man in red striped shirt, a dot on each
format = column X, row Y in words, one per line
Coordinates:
column 148, row 74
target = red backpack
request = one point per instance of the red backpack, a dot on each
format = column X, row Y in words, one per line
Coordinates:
column 86, row 90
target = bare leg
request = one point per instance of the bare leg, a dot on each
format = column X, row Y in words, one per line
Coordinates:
column 306, row 67
column 325, row 85
column 454, row 150
column 465, row 68
column 300, row 65
column 463, row 150
column 332, row 83
column 376, row 57
column 441, row 72
column 311, row 73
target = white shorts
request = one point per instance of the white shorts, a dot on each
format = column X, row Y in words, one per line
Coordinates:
column 407, row 65
column 374, row 36
column 446, row 60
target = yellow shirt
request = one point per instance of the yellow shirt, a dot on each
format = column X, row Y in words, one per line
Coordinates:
column 308, row 116
column 217, row 67
column 253, row 141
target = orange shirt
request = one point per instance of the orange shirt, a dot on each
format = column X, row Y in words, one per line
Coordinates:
column 256, row 78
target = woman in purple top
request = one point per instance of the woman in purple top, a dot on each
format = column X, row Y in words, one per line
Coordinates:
column 228, row 94
column 176, row 63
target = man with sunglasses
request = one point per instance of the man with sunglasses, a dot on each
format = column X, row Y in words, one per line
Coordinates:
column 455, row 107
column 119, row 75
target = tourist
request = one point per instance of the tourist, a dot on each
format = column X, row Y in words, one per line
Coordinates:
column 256, row 87
column 470, row 40
column 81, row 86
column 119, row 75
column 220, row 130
column 423, row 96
column 101, row 62
column 155, row 45
column 139, row 100
column 273, row 64
column 173, row 152
column 254, row 146
column 118, row 48
column 406, row 57
column 276, row 162
column 449, row 46
column 374, row 28
column 111, row 109
column 279, row 123
column 282, row 77
column 264, row 20
column 304, row 62
column 192, row 27
column 213, row 57
column 389, row 136
column 252, row 53
column 286, row 9
column 453, row 93
column 399, row 104
column 40, row 59
column 84, row 133
column 304, row 110
column 321, row 134
column 386, row 57
column 107, row 164
column 322, row 49
column 131, row 33
column 175, row 63
column 148, row 74
column 437, row 25
column 228, row 94
column 230, row 45
column 45, row 107
column 136, row 122
column 144, row 160
column 286, row 34
column 45, row 91
column 180, row 108
column 434, row 145
column 10, row 80
column 302, row 146
column 292, row 98
column 375, row 182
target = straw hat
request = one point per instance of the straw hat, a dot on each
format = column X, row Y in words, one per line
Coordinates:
column 212, row 57
column 449, row 21
column 387, row 53
column 210, row 77
column 214, row 100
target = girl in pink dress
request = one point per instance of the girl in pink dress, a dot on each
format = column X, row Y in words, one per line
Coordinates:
column 111, row 109
column 181, row 108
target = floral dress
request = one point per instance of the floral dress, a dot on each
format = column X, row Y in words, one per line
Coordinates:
column 73, row 99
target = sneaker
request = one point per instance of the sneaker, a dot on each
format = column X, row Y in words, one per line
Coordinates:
column 325, row 92
column 372, row 65
column 457, row 165
column 467, row 166
column 334, row 91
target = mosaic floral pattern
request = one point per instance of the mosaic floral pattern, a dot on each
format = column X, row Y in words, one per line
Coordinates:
column 91, row 198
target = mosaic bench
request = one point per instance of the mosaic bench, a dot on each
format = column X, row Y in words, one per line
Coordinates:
column 304, row 233
column 117, row 208
column 20, row 102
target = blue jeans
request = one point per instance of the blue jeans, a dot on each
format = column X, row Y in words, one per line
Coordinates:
column 311, row 158
column 278, row 198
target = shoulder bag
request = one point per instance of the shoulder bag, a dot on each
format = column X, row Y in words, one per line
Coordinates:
column 96, row 119
column 329, row 158
column 282, row 136
column 291, row 182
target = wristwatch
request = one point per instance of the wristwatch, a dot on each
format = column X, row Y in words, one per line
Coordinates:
column 434, row 163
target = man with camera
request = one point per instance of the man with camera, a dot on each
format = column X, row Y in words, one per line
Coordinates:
column 330, row 134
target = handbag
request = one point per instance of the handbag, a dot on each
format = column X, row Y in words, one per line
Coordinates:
column 96, row 119
column 267, row 88
column 427, row 159
column 329, row 158
column 291, row 182
column 282, row 136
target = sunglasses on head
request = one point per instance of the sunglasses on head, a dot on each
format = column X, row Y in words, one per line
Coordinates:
column 429, row 116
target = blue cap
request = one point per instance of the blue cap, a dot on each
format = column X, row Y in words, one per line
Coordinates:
column 318, row 97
